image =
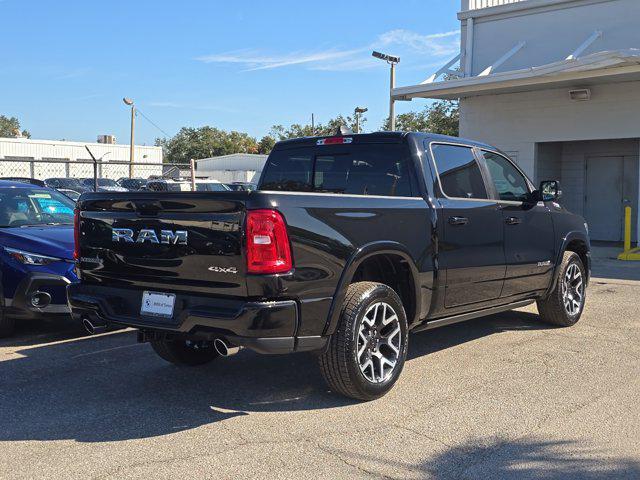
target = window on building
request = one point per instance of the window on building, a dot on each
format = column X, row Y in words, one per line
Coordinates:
column 458, row 171
column 510, row 184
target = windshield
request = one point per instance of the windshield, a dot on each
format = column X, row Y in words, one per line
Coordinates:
column 107, row 182
column 65, row 183
column 21, row 207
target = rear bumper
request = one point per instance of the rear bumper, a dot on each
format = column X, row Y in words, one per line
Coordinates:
column 264, row 326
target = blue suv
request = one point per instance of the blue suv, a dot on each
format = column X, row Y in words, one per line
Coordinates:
column 36, row 253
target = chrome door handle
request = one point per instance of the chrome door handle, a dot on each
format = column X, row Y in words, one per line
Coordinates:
column 512, row 221
column 458, row 220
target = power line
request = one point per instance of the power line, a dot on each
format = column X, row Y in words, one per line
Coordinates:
column 152, row 122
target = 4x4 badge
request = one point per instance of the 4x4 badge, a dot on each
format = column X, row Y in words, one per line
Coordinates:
column 233, row 270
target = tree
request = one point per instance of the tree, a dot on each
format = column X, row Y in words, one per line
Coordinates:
column 266, row 144
column 297, row 130
column 441, row 117
column 205, row 142
column 9, row 126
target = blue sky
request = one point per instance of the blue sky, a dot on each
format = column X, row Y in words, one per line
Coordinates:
column 241, row 65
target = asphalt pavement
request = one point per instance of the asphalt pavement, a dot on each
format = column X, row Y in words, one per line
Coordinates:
column 501, row 397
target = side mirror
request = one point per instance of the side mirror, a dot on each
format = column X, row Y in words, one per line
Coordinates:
column 549, row 190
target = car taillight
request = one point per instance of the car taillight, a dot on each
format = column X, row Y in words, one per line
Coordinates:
column 268, row 249
column 76, row 234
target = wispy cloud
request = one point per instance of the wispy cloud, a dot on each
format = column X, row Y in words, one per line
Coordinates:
column 405, row 42
column 188, row 106
column 73, row 73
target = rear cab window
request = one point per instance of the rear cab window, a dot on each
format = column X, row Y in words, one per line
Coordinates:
column 354, row 169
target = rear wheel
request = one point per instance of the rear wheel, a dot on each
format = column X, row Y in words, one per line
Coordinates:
column 187, row 353
column 366, row 354
column 563, row 307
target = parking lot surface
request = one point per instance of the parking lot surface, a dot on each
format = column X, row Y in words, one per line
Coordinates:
column 500, row 397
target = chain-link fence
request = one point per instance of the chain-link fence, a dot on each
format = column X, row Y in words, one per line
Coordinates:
column 43, row 169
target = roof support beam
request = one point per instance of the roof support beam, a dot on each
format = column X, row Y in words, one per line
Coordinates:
column 586, row 44
column 502, row 59
column 445, row 69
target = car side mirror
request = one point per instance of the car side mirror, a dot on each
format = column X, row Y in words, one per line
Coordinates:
column 549, row 191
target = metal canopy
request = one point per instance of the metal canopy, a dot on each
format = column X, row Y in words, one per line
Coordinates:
column 617, row 65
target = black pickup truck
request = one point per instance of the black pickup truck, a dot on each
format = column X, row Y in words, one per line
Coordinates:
column 349, row 243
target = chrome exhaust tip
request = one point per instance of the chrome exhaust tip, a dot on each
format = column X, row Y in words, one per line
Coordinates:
column 92, row 328
column 224, row 348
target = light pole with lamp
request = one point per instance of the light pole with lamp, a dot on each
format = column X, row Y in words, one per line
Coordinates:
column 357, row 112
column 129, row 102
column 393, row 61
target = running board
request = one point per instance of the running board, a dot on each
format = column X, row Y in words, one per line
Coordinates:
column 441, row 322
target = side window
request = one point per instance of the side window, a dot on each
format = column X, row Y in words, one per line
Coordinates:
column 510, row 184
column 288, row 171
column 458, row 171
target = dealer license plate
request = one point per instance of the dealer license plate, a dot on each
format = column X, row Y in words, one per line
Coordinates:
column 158, row 304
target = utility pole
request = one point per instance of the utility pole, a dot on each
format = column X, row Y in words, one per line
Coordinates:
column 313, row 126
column 129, row 102
column 393, row 61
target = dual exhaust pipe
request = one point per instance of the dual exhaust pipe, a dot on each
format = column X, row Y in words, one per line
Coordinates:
column 222, row 347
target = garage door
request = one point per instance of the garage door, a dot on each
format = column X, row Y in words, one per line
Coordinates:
column 603, row 200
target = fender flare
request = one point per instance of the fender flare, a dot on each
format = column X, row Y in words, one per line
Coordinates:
column 568, row 238
column 360, row 255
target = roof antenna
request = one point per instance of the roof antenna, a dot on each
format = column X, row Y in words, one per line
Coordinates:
column 344, row 130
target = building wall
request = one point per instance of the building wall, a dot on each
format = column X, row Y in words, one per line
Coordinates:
column 552, row 31
column 62, row 158
column 515, row 122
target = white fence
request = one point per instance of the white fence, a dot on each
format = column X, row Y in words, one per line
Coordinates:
column 43, row 169
column 478, row 4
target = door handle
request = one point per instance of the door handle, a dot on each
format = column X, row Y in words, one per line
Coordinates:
column 512, row 221
column 458, row 220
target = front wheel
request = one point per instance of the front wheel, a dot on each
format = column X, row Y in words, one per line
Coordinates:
column 366, row 354
column 185, row 353
column 563, row 307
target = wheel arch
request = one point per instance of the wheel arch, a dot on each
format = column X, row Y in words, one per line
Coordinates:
column 384, row 252
column 576, row 242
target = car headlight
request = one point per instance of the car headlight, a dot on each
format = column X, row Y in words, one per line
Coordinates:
column 29, row 258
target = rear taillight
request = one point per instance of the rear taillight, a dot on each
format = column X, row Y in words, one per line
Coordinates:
column 268, row 249
column 76, row 234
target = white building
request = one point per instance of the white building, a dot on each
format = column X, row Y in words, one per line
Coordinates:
column 555, row 83
column 237, row 167
column 23, row 157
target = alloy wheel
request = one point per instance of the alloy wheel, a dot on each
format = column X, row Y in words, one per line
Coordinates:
column 573, row 289
column 379, row 342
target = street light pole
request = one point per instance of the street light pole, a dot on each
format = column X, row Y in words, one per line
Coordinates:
column 356, row 113
column 129, row 102
column 392, row 61
column 392, row 106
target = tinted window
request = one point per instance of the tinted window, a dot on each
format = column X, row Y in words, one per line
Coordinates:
column 354, row 169
column 509, row 182
column 458, row 171
column 211, row 187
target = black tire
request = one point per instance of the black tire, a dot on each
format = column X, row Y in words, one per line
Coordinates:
column 7, row 324
column 552, row 309
column 339, row 363
column 185, row 353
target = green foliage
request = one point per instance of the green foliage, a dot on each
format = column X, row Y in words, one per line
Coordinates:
column 9, row 126
column 331, row 127
column 205, row 142
column 441, row 117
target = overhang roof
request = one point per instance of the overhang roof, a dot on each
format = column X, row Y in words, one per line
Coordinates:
column 601, row 67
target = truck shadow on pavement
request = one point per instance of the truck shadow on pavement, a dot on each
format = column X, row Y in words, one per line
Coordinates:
column 504, row 459
column 110, row 388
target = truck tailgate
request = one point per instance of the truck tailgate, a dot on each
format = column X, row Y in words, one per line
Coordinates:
column 182, row 241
